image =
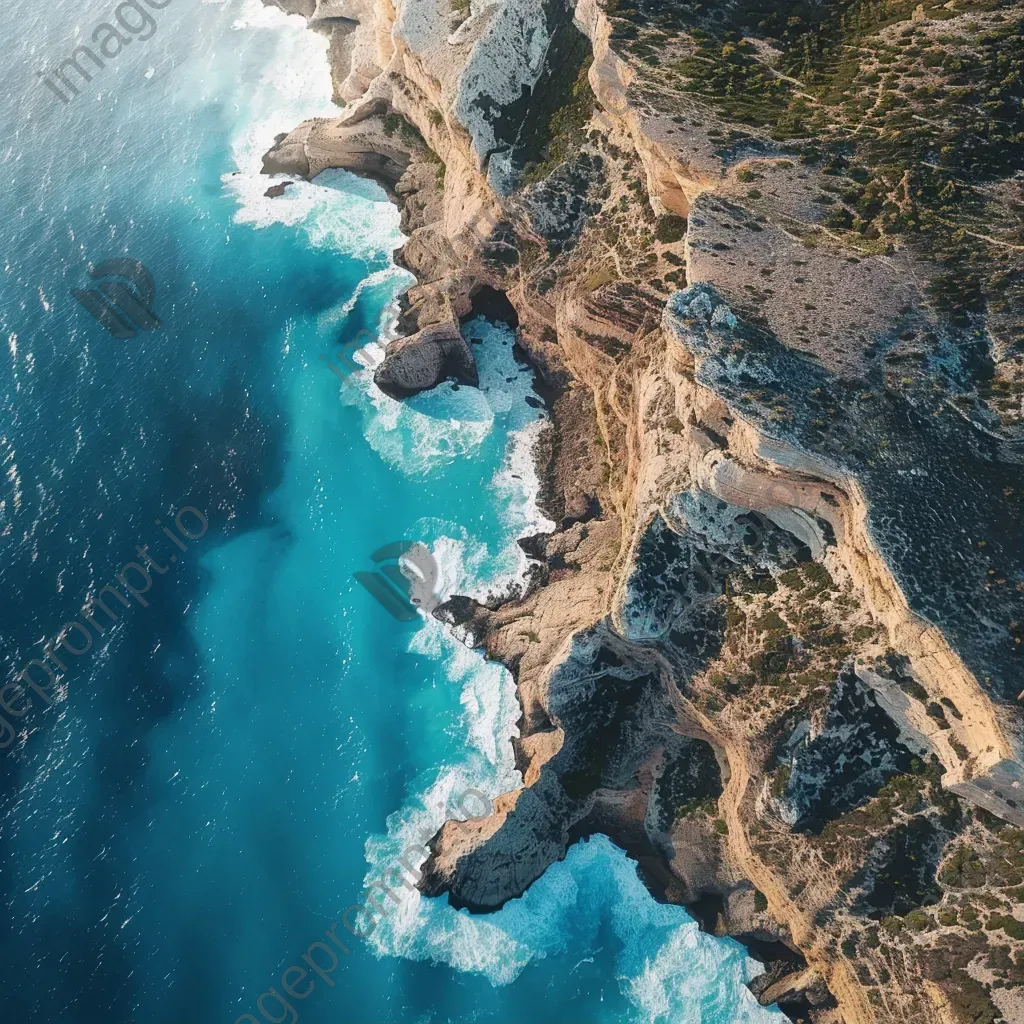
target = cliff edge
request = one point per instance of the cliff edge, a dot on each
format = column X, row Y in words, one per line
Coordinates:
column 768, row 262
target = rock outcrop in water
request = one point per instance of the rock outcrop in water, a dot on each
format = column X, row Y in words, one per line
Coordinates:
column 424, row 359
column 365, row 148
column 773, row 648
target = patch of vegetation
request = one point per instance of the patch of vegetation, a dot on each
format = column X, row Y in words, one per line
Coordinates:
column 902, row 795
column 408, row 133
column 998, row 865
column 971, row 1001
column 1010, row 925
column 670, row 228
column 780, row 780
column 918, row 921
column 690, row 783
column 913, row 125
column 566, row 129
column 904, row 881
column 1007, row 966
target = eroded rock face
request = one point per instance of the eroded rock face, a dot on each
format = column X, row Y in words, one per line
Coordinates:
column 944, row 495
column 846, row 760
column 424, row 359
column 620, row 766
column 288, row 154
column 620, row 770
column 366, row 148
column 757, row 515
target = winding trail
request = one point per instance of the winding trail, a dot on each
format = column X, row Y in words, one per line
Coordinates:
column 833, row 966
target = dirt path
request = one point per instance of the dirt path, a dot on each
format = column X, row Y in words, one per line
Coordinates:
column 833, row 967
column 852, row 999
column 837, row 971
column 945, row 1013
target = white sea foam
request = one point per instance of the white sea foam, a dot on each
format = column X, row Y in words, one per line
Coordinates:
column 418, row 437
column 435, row 428
column 518, row 486
column 385, row 277
column 338, row 210
column 667, row 969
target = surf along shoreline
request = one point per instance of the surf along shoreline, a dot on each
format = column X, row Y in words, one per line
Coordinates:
column 410, row 862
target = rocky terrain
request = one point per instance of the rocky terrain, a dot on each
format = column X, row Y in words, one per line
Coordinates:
column 768, row 262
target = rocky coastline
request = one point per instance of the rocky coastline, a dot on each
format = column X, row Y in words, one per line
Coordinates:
column 773, row 647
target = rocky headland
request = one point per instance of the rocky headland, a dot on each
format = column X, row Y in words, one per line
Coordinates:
column 768, row 263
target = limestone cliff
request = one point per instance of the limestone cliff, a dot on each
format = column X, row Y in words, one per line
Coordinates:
column 773, row 647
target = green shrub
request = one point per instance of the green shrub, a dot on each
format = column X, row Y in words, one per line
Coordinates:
column 670, row 228
column 970, row 1000
column 781, row 780
column 918, row 920
column 964, row 869
column 1010, row 925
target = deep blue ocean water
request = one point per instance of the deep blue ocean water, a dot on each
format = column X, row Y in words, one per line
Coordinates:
column 226, row 768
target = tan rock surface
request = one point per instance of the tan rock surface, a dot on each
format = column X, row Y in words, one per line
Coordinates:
column 633, row 428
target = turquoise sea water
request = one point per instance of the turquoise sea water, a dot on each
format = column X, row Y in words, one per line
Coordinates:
column 233, row 763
